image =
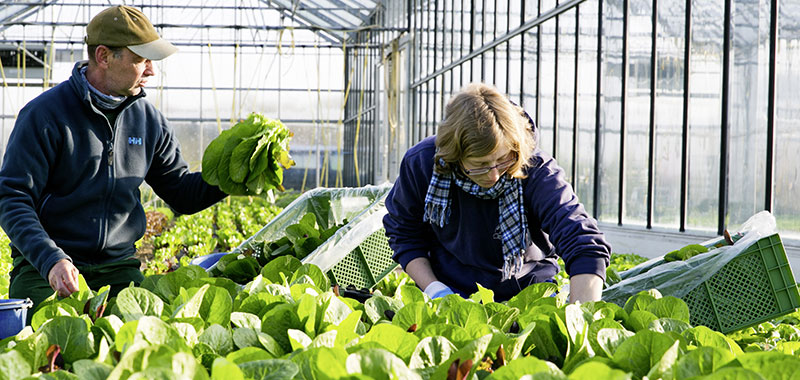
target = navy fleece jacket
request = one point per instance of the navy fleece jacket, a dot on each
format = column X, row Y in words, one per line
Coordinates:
column 464, row 252
column 69, row 183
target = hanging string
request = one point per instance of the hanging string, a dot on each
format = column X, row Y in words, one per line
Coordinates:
column 214, row 88
column 235, row 71
column 358, row 119
column 339, row 123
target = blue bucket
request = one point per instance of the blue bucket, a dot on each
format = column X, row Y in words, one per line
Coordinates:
column 12, row 316
column 206, row 261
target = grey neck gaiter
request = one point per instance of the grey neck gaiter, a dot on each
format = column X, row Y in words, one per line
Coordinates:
column 101, row 100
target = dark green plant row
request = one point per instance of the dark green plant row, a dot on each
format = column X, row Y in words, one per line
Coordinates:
column 219, row 228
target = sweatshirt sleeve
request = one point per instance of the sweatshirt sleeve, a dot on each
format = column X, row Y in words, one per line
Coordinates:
column 170, row 178
column 30, row 155
column 572, row 231
column 409, row 236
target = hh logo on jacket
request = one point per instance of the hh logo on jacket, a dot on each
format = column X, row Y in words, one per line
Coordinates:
column 133, row 140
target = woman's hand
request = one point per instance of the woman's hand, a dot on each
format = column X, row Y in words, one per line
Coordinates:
column 585, row 287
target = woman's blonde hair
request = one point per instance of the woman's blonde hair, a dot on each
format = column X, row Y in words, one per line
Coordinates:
column 479, row 120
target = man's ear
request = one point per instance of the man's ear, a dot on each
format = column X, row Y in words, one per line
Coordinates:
column 102, row 55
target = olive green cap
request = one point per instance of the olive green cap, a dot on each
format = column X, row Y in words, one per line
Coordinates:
column 124, row 26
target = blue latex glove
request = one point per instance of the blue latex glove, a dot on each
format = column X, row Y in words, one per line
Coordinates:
column 437, row 289
column 443, row 293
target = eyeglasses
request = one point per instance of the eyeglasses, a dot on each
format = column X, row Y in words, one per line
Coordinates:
column 500, row 167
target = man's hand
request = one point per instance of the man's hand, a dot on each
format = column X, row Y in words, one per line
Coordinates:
column 63, row 278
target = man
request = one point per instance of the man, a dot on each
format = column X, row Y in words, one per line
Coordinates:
column 69, row 183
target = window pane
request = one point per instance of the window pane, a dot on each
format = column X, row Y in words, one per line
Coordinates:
column 748, row 110
column 705, row 91
column 566, row 90
column 669, row 111
column 610, row 116
column 587, row 96
column 546, row 88
column 787, row 121
column 637, row 111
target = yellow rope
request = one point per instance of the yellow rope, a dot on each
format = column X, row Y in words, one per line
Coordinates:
column 315, row 120
column 392, row 91
column 48, row 61
column 233, row 95
column 339, row 124
column 358, row 123
column 5, row 84
column 326, row 126
column 214, row 88
column 24, row 63
column 19, row 69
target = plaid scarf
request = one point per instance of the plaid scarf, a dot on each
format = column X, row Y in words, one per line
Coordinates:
column 512, row 226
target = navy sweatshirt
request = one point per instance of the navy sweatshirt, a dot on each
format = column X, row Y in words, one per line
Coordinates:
column 464, row 252
column 69, row 184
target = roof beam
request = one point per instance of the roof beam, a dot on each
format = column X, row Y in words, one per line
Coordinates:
column 13, row 12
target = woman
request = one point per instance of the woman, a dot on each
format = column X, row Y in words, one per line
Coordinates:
column 478, row 203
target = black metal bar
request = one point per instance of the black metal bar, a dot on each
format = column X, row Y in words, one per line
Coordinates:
column 508, row 49
column 575, row 101
column 623, row 127
column 471, row 39
column 773, row 52
column 435, row 34
column 217, row 26
column 504, row 38
column 539, row 68
column 414, row 122
column 724, row 127
column 687, row 56
column 47, row 42
column 453, row 29
column 651, row 162
column 483, row 39
column 435, row 50
column 522, row 57
column 598, row 141
column 184, row 6
column 555, row 90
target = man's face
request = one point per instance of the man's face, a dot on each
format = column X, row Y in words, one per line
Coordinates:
column 127, row 73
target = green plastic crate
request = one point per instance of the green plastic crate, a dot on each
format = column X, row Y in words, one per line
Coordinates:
column 366, row 265
column 359, row 253
column 755, row 287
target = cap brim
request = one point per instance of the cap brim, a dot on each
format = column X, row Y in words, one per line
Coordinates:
column 154, row 51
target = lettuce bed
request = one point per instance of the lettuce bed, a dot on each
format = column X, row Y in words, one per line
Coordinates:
column 287, row 324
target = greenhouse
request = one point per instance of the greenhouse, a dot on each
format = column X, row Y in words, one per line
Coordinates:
column 275, row 206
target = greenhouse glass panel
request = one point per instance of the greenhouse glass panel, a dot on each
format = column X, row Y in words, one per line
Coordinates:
column 637, row 111
column 566, row 91
column 531, row 9
column 502, row 62
column 787, row 121
column 546, row 87
column 446, row 32
column 515, row 78
column 705, row 78
column 488, row 74
column 478, row 26
column 748, row 106
column 529, row 74
column 607, row 209
column 669, row 104
column 587, row 97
